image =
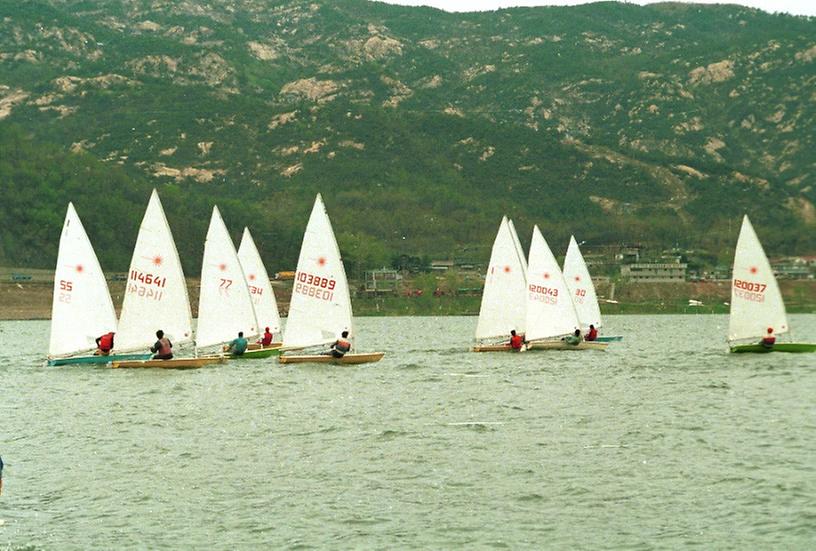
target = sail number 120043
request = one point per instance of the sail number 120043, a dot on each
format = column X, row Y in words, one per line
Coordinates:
column 315, row 286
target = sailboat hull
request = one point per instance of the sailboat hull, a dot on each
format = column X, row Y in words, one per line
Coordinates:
column 77, row 360
column 257, row 354
column 561, row 345
column 259, row 346
column 175, row 363
column 610, row 338
column 348, row 359
column 493, row 348
column 794, row 347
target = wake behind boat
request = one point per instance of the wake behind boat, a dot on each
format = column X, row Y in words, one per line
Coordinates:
column 757, row 309
column 320, row 309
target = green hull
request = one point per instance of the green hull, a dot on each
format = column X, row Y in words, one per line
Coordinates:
column 98, row 359
column 613, row 338
column 795, row 347
column 257, row 354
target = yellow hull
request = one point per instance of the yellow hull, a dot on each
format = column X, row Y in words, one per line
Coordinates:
column 348, row 359
column 560, row 345
column 258, row 346
column 493, row 348
column 175, row 363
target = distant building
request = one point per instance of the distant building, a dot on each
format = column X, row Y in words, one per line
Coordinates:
column 791, row 271
column 441, row 265
column 655, row 272
column 382, row 282
column 629, row 254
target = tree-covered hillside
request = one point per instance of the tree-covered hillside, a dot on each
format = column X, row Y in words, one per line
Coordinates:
column 658, row 124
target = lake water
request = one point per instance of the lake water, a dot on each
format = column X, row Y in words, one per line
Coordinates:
column 663, row 441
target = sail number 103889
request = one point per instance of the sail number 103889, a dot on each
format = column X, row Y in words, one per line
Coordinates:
column 315, row 286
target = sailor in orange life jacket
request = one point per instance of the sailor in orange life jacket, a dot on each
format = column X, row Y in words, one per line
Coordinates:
column 769, row 339
column 104, row 344
column 592, row 334
column 162, row 348
column 516, row 341
column 267, row 338
column 340, row 346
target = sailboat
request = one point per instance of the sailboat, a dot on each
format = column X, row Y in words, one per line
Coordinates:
column 82, row 309
column 321, row 305
column 156, row 295
column 504, row 301
column 225, row 305
column 582, row 291
column 756, row 302
column 551, row 313
column 257, row 280
column 519, row 248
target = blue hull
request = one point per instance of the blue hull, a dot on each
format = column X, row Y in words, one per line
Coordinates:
column 77, row 360
column 614, row 338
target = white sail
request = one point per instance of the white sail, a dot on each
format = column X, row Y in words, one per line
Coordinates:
column 522, row 256
column 224, row 304
column 550, row 312
column 257, row 279
column 756, row 303
column 581, row 288
column 320, row 308
column 504, row 302
column 82, row 309
column 156, row 294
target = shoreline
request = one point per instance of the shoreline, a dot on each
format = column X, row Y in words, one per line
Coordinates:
column 31, row 300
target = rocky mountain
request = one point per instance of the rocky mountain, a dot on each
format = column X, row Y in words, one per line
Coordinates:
column 658, row 124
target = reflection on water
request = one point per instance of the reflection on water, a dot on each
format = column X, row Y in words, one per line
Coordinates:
column 663, row 440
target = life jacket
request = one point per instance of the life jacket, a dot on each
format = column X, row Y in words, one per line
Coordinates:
column 592, row 335
column 768, row 341
column 106, row 342
column 166, row 347
column 516, row 342
column 342, row 345
column 267, row 339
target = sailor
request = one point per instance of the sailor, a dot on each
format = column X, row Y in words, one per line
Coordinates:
column 574, row 339
column 267, row 338
column 516, row 341
column 162, row 348
column 592, row 334
column 769, row 339
column 341, row 345
column 1, row 476
column 104, row 344
column 238, row 346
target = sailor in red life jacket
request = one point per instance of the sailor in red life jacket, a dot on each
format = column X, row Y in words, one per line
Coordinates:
column 592, row 334
column 341, row 346
column 516, row 341
column 104, row 344
column 769, row 339
column 267, row 338
column 162, row 348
